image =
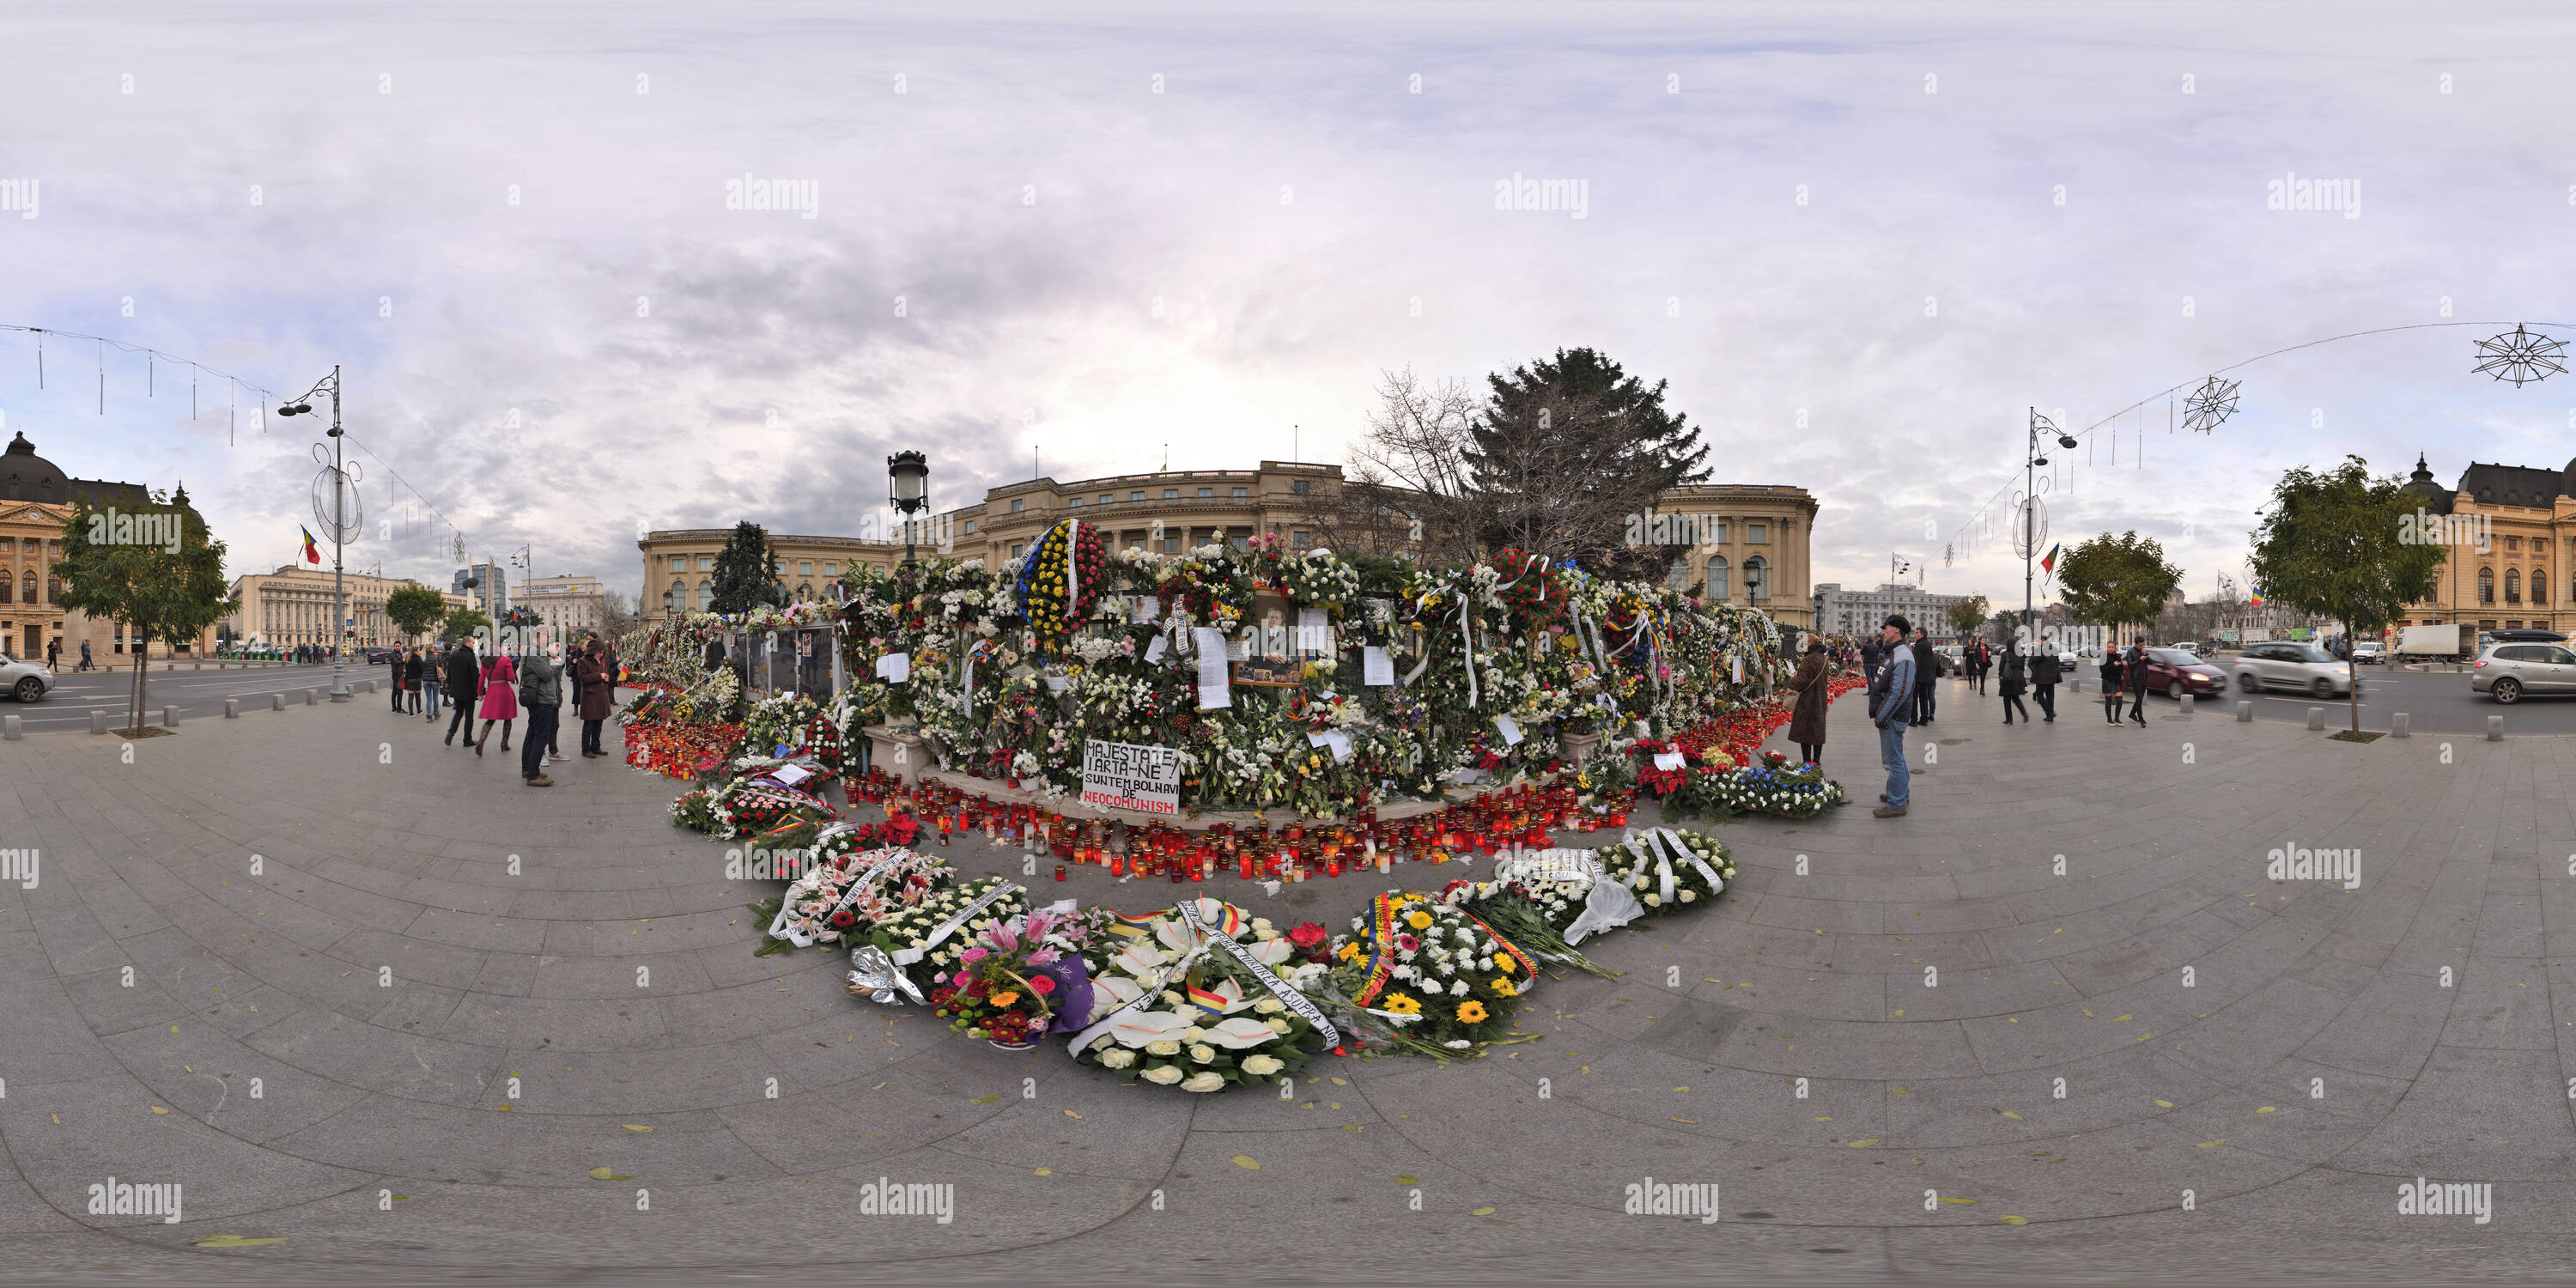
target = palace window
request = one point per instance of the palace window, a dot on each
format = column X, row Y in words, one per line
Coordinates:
column 804, row 567
column 27, row 586
column 679, row 563
column 970, row 527
column 2540, row 585
column 1298, row 539
column 2486, row 585
column 1242, row 492
column 1757, row 533
column 1717, row 576
column 1073, row 504
column 2512, row 586
column 1207, row 491
column 1136, row 496
column 832, row 569
column 1109, row 498
column 1171, row 494
column 1678, row 576
column 1016, row 506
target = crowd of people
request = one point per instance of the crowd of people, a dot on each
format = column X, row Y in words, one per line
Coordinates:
column 1900, row 666
column 498, row 687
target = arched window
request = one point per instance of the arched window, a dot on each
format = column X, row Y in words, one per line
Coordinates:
column 2513, row 585
column 27, row 586
column 7, row 588
column 706, row 595
column 1754, row 588
column 2540, row 585
column 54, row 590
column 1678, row 576
column 676, row 599
column 2486, row 585
column 1717, row 577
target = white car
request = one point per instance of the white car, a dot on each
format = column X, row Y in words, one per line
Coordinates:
column 25, row 681
column 2368, row 651
column 2294, row 665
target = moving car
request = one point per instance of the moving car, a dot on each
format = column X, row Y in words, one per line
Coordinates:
column 2368, row 651
column 25, row 681
column 2173, row 673
column 2506, row 672
column 2292, row 664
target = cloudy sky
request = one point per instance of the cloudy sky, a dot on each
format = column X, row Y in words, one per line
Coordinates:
column 1859, row 240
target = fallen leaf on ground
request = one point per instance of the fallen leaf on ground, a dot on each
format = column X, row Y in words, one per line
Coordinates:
column 236, row 1240
column 603, row 1174
column 1407, row 1178
column 1247, row 1162
column 633, row 1127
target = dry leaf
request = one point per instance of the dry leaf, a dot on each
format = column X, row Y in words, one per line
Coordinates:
column 1247, row 1162
column 633, row 1127
column 236, row 1241
column 1482, row 1211
column 603, row 1174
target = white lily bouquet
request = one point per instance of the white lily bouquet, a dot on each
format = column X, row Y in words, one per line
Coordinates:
column 843, row 896
column 926, row 938
column 1202, row 997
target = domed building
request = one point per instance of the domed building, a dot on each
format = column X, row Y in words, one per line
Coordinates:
column 2509, row 533
column 36, row 498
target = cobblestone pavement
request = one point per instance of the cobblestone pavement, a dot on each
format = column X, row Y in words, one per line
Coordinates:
column 321, row 1050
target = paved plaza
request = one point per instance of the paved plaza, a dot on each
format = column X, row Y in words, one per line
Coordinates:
column 2158, row 1019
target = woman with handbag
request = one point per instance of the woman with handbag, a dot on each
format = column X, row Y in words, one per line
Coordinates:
column 2011, row 685
column 500, row 699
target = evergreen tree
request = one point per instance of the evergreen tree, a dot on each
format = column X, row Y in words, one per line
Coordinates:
column 746, row 571
column 1565, row 453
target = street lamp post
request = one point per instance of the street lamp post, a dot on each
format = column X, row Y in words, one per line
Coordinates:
column 908, row 487
column 339, row 530
column 2031, row 461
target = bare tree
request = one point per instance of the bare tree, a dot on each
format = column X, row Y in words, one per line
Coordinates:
column 1409, row 486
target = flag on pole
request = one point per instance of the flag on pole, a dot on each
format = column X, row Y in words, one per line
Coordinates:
column 2258, row 598
column 312, row 552
column 2048, row 562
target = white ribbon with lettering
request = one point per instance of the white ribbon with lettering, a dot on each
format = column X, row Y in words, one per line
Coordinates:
column 780, row 927
column 1278, row 987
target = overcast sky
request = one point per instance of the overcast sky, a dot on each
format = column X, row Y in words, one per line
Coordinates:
column 1859, row 240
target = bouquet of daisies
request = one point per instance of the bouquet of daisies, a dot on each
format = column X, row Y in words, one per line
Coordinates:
column 1541, row 902
column 844, row 892
column 1201, row 997
column 925, row 938
column 1668, row 869
column 1440, row 978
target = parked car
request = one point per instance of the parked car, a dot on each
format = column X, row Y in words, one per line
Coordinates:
column 2174, row 672
column 2292, row 664
column 2186, row 646
column 25, row 681
column 2368, row 651
column 376, row 656
column 2506, row 672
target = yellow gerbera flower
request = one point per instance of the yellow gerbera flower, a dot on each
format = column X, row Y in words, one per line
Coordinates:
column 1504, row 963
column 1471, row 1011
column 1418, row 919
column 1402, row 1005
column 1350, row 952
column 1503, row 984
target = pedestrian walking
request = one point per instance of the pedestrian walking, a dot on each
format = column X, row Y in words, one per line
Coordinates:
column 2043, row 680
column 500, row 699
column 541, row 692
column 2135, row 667
column 464, row 685
column 2011, row 684
column 595, row 685
column 394, row 660
column 433, row 674
column 562, row 663
column 2113, row 671
column 1807, row 714
column 1927, row 668
column 1891, row 700
column 412, row 667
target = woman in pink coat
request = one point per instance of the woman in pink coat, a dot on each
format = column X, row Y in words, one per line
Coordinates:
column 500, row 698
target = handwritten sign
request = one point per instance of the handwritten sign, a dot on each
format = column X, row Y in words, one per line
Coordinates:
column 1131, row 776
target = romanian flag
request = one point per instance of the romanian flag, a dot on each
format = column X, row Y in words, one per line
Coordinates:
column 2048, row 563
column 2258, row 599
column 312, row 552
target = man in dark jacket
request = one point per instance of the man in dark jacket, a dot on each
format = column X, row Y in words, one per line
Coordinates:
column 1927, row 668
column 2043, row 678
column 542, row 694
column 1891, row 700
column 2135, row 667
column 464, row 686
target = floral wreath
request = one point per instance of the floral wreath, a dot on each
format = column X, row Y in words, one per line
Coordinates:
column 1056, row 610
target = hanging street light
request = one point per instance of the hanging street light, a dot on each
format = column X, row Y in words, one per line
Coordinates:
column 908, row 488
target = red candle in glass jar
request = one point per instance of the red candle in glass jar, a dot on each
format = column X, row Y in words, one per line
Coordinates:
column 1059, row 872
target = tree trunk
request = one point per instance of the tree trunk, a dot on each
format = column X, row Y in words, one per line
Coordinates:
column 142, row 684
column 2352, row 672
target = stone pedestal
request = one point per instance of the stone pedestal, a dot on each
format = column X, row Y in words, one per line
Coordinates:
column 896, row 752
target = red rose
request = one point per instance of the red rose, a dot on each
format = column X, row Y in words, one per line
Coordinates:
column 1307, row 934
column 1041, row 984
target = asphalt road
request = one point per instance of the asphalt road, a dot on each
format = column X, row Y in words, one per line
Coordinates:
column 199, row 695
column 2434, row 702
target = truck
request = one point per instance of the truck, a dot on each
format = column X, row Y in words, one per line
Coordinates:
column 2455, row 639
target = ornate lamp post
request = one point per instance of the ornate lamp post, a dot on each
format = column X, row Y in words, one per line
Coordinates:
column 908, row 487
column 340, row 516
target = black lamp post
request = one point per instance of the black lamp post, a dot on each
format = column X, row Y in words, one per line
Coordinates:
column 908, row 487
column 2030, row 508
column 339, row 592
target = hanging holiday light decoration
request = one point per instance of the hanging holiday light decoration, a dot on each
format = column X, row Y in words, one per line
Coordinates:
column 2210, row 405
column 2521, row 356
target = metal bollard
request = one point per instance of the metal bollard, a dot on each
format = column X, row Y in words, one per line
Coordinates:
column 2495, row 728
column 98, row 722
column 12, row 729
column 169, row 717
column 2317, row 718
column 232, row 708
column 2397, row 725
column 312, row 697
column 2244, row 713
column 2186, row 704
column 277, row 702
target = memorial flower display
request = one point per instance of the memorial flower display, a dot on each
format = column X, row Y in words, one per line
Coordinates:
column 1202, row 997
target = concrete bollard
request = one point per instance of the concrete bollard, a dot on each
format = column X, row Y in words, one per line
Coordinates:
column 2186, row 704
column 169, row 717
column 2244, row 713
column 2397, row 725
column 312, row 697
column 12, row 729
column 232, row 708
column 2317, row 719
column 277, row 702
column 2495, row 728
column 98, row 722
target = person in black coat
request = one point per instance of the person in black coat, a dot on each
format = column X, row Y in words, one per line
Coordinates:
column 1927, row 668
column 2134, row 666
column 413, row 667
column 464, row 686
column 2113, row 670
column 2012, row 684
column 2043, row 679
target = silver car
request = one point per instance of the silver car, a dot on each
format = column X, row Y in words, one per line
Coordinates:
column 2293, row 665
column 25, row 681
column 2508, row 671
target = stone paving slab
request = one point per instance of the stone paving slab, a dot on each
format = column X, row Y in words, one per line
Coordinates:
column 1686, row 1068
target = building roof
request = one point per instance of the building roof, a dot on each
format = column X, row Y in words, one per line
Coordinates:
column 25, row 476
column 2431, row 495
column 2512, row 484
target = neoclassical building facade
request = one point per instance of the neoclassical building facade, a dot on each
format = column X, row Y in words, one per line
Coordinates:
column 2523, row 574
